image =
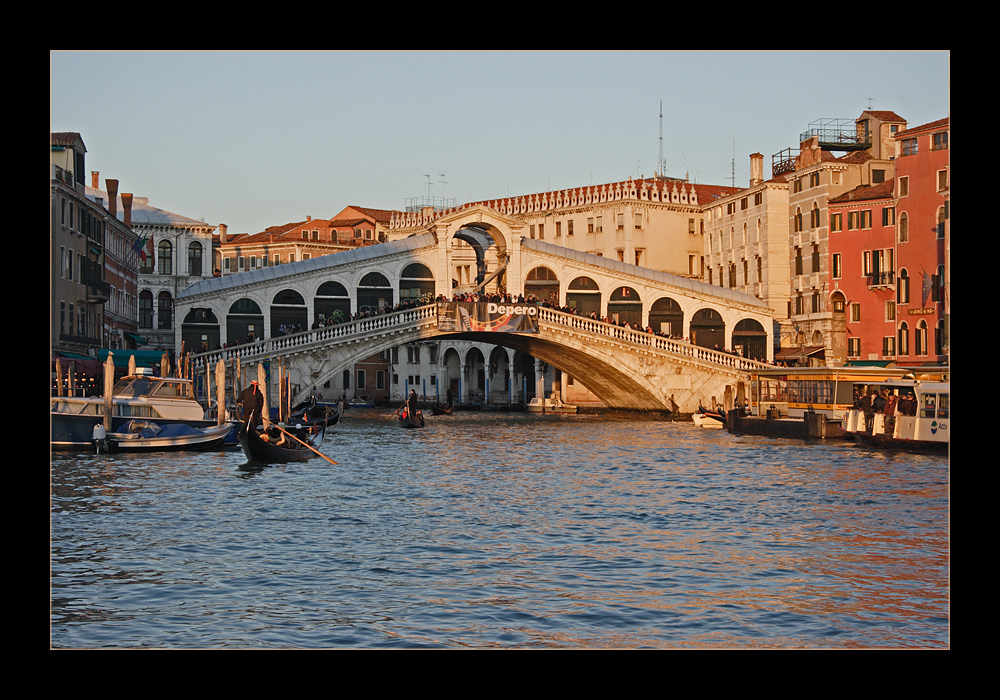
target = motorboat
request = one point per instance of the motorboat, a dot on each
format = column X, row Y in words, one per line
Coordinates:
column 552, row 404
column 704, row 418
column 164, row 400
column 902, row 414
column 147, row 435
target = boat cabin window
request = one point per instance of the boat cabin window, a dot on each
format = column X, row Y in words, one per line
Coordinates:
column 170, row 389
column 928, row 404
column 942, row 405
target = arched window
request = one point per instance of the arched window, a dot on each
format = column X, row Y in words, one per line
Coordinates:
column 194, row 259
column 145, row 309
column 164, row 258
column 164, row 312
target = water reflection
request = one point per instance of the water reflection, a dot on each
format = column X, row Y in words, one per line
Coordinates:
column 509, row 531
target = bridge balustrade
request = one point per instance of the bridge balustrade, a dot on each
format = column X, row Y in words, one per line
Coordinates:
column 380, row 323
column 651, row 340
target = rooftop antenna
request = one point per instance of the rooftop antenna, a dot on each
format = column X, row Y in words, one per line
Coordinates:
column 660, row 165
column 428, row 185
column 444, row 200
column 733, row 177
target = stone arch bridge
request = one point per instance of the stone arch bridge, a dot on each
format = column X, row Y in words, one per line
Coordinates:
column 282, row 312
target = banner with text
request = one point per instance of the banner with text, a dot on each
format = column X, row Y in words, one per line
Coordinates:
column 487, row 316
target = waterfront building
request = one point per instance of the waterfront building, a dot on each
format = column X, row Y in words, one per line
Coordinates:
column 889, row 256
column 863, row 274
column 174, row 252
column 655, row 223
column 93, row 270
column 923, row 187
column 746, row 243
column 301, row 240
column 816, row 175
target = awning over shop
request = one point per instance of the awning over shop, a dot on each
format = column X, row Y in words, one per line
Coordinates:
column 81, row 363
column 143, row 358
column 139, row 340
column 792, row 354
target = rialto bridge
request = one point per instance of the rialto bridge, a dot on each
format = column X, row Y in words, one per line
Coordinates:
column 276, row 312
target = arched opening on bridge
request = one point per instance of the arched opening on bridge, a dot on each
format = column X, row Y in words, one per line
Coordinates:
column 289, row 313
column 451, row 373
column 543, row 283
column 332, row 304
column 200, row 331
column 244, row 322
column 666, row 316
column 498, row 376
column 475, row 365
column 750, row 339
column 524, row 372
column 374, row 293
column 584, row 295
column 708, row 329
column 416, row 282
column 625, row 306
column 482, row 239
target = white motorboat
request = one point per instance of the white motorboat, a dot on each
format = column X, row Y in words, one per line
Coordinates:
column 708, row 419
column 165, row 400
column 147, row 435
column 902, row 414
column 552, row 404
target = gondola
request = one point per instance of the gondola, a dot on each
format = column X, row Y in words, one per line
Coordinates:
column 257, row 450
column 314, row 414
column 441, row 409
column 408, row 420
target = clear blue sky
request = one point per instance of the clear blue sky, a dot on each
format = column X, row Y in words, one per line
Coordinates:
column 255, row 139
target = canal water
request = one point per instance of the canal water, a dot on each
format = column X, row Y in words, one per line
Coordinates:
column 505, row 531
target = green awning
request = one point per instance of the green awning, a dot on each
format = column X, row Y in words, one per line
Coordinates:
column 143, row 358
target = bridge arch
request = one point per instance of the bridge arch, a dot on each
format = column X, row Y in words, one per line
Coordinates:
column 667, row 316
column 708, row 329
column 584, row 294
column 542, row 282
column 200, row 330
column 416, row 281
column 244, row 321
column 331, row 303
column 374, row 291
column 289, row 313
column 625, row 306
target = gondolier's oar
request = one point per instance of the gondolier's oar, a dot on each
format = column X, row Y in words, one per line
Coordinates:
column 305, row 444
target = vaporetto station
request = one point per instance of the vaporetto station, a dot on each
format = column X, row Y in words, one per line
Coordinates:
column 235, row 318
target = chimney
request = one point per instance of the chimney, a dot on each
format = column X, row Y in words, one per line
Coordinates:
column 756, row 169
column 95, row 179
column 112, row 186
column 222, row 233
column 127, row 208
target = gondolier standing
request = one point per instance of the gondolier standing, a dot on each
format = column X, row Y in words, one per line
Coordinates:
column 252, row 402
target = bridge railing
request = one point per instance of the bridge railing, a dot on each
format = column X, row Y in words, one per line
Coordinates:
column 297, row 342
column 651, row 340
column 378, row 324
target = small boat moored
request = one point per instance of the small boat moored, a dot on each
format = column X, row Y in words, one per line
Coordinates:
column 553, row 404
column 151, row 436
column 704, row 418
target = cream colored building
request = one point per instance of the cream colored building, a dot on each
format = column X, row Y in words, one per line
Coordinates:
column 746, row 241
column 655, row 223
